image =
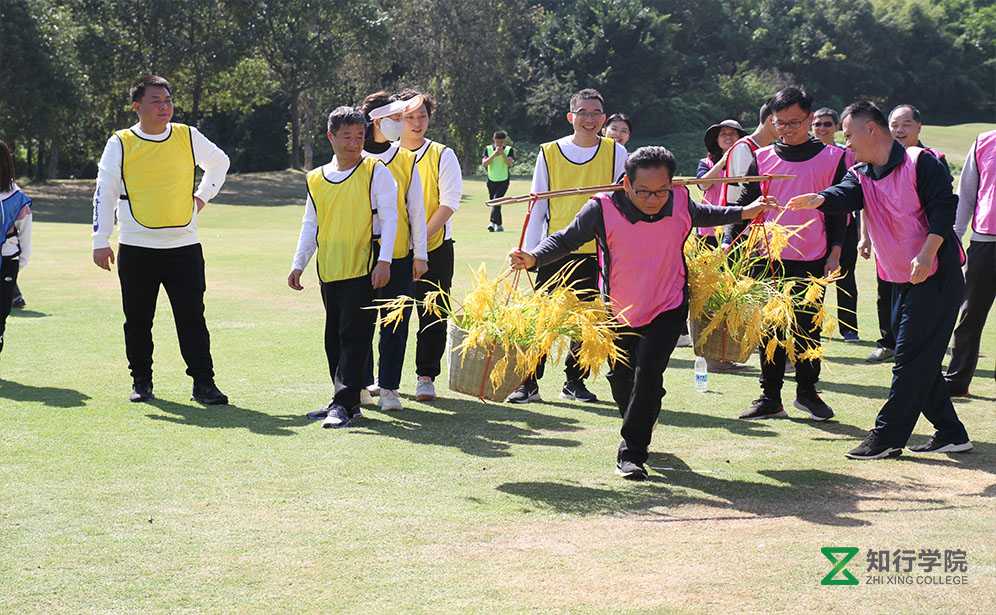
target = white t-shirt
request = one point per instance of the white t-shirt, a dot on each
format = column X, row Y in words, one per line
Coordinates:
column 415, row 204
column 383, row 199
column 740, row 159
column 537, row 229
column 110, row 187
column 20, row 241
column 450, row 181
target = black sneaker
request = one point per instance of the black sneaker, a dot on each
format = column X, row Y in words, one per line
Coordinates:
column 630, row 470
column 527, row 392
column 938, row 444
column 209, row 395
column 763, row 408
column 811, row 404
column 578, row 392
column 956, row 390
column 872, row 448
column 338, row 417
column 141, row 391
column 18, row 302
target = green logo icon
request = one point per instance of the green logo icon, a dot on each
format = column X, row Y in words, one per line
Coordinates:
column 847, row 554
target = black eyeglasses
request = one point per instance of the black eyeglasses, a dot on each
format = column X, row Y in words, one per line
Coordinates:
column 646, row 194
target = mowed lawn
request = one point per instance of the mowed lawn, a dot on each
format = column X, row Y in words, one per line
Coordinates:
column 456, row 506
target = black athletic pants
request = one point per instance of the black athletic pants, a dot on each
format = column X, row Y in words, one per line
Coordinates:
column 8, row 290
column 181, row 272
column 980, row 289
column 430, row 341
column 584, row 277
column 393, row 339
column 847, row 287
column 496, row 190
column 349, row 330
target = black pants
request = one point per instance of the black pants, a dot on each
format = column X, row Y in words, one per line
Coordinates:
column 980, row 289
column 496, row 190
column 923, row 316
column 807, row 373
column 584, row 278
column 181, row 272
column 8, row 290
column 847, row 287
column 393, row 339
column 638, row 388
column 349, row 330
column 430, row 340
column 883, row 303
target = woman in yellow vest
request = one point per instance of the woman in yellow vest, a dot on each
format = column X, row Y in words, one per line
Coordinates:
column 578, row 160
column 410, row 252
column 145, row 182
column 442, row 184
column 350, row 220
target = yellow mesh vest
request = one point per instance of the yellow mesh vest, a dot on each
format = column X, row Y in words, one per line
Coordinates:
column 564, row 174
column 159, row 177
column 401, row 167
column 428, row 171
column 345, row 222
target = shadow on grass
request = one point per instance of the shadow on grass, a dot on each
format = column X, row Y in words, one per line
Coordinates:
column 227, row 417
column 22, row 313
column 50, row 396
column 816, row 496
column 473, row 427
column 982, row 457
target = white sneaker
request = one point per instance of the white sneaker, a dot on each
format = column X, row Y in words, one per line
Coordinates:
column 425, row 390
column 684, row 341
column 389, row 400
column 374, row 390
column 499, row 228
column 366, row 399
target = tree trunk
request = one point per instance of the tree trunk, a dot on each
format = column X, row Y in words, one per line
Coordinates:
column 295, row 118
column 53, row 160
column 40, row 169
column 307, row 143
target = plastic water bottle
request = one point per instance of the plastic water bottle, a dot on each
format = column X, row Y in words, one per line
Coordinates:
column 701, row 375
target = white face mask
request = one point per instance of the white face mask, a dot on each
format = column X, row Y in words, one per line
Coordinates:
column 391, row 128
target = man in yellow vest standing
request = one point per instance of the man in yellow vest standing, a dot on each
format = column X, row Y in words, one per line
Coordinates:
column 442, row 184
column 146, row 180
column 578, row 160
column 350, row 220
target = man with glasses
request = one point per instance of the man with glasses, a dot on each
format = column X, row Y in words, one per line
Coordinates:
column 813, row 251
column 581, row 159
column 641, row 232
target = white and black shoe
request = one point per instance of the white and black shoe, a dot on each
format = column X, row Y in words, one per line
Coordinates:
column 764, row 408
column 338, row 417
column 813, row 405
column 527, row 392
column 631, row 470
column 872, row 448
column 937, row 444
column 578, row 392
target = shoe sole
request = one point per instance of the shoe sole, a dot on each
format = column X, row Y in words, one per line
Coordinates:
column 569, row 397
column 887, row 453
column 339, row 426
column 634, row 476
column 425, row 398
column 138, row 400
column 777, row 415
column 947, row 448
column 211, row 402
column 528, row 400
column 820, row 419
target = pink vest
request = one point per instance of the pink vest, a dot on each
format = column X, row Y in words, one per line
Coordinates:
column 647, row 265
column 896, row 222
column 813, row 175
column 712, row 195
column 984, row 220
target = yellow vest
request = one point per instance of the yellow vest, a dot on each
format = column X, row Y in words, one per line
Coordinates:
column 401, row 167
column 428, row 171
column 159, row 177
column 345, row 222
column 563, row 174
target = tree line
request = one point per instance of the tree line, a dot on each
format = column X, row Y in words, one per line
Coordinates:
column 259, row 76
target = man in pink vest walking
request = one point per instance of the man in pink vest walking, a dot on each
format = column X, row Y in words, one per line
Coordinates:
column 640, row 232
column 976, row 206
column 908, row 207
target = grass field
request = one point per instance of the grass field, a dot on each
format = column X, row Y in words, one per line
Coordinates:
column 457, row 506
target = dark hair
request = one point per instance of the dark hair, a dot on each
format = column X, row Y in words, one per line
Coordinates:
column 827, row 112
column 650, row 157
column 789, row 96
column 620, row 117
column 374, row 101
column 6, row 168
column 586, row 94
column 427, row 100
column 916, row 112
column 148, row 81
column 499, row 134
column 345, row 116
column 765, row 112
column 867, row 110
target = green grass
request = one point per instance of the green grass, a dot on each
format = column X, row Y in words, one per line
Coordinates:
column 458, row 506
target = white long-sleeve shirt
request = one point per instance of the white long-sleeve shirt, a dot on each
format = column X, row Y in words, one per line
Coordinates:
column 110, row 187
column 383, row 199
column 20, row 241
column 968, row 198
column 414, row 203
column 740, row 160
column 450, row 182
column 537, row 229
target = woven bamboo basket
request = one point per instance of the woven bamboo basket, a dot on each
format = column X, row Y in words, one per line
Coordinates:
column 470, row 374
column 719, row 346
